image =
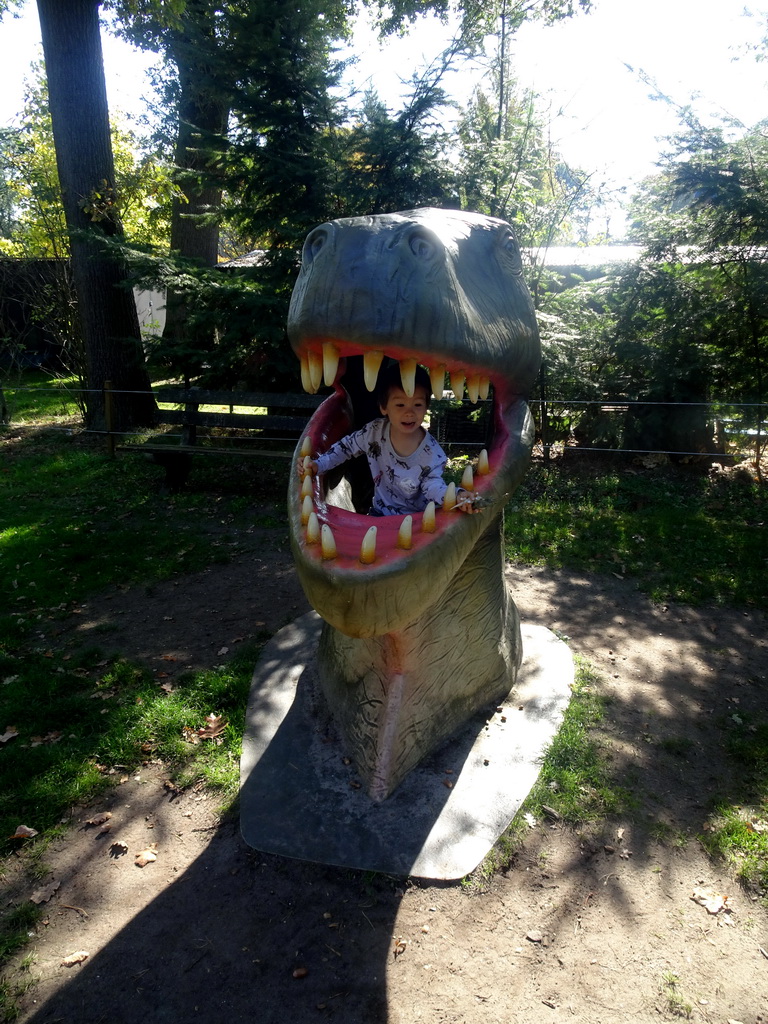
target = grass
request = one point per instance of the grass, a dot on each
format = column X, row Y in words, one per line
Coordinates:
column 738, row 834
column 576, row 779
column 681, row 536
column 677, row 1005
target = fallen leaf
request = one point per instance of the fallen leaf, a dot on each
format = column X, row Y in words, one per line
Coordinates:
column 529, row 820
column 75, row 958
column 300, row 972
column 222, row 650
column 99, row 819
column 144, row 857
column 713, row 902
column 400, row 946
column 535, row 936
column 10, row 732
column 118, row 848
column 51, row 737
column 44, row 894
column 214, row 726
column 23, row 832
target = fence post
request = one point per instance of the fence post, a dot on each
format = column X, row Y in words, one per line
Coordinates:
column 543, row 404
column 109, row 416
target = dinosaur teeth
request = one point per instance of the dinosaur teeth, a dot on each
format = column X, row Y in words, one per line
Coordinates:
column 408, row 376
column 428, row 519
column 457, row 383
column 313, row 529
column 306, row 446
column 467, row 479
column 327, row 542
column 405, row 534
column 306, row 487
column 371, row 366
column 368, row 547
column 449, row 501
column 307, row 508
column 330, row 363
column 306, row 380
column 483, row 466
column 437, row 379
column 315, row 361
column 321, row 367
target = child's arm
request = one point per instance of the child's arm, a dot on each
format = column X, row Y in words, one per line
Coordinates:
column 347, row 448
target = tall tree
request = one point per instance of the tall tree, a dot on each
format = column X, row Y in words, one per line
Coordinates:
column 80, row 119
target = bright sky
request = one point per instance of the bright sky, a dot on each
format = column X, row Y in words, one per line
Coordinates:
column 604, row 120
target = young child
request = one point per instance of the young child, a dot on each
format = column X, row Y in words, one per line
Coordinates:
column 406, row 462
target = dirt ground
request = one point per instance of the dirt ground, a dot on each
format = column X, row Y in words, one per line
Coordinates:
column 580, row 927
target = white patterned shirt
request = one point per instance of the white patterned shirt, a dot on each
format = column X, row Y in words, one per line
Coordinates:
column 402, row 483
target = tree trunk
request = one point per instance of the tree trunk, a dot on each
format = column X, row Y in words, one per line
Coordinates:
column 203, row 116
column 80, row 117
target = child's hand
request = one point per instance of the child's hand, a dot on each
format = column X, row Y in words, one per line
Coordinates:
column 466, row 501
column 305, row 466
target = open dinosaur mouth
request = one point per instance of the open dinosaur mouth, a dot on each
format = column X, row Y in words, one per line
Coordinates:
column 341, row 549
column 354, row 541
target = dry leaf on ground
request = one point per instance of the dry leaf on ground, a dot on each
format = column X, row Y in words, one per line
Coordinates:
column 99, row 819
column 214, row 726
column 144, row 857
column 24, row 832
column 75, row 958
column 44, row 894
column 713, row 902
column 51, row 737
column 10, row 732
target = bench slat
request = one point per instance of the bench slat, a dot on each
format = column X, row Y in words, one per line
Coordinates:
column 248, row 421
column 196, row 449
column 201, row 396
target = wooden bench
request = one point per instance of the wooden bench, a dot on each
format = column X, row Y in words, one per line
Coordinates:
column 262, row 424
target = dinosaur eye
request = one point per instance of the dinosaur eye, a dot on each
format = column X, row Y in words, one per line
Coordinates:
column 315, row 241
column 511, row 251
column 421, row 245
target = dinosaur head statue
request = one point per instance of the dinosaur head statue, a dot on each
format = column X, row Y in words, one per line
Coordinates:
column 420, row 632
column 440, row 288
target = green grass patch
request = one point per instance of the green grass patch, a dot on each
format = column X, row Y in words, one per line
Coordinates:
column 681, row 536
column 73, row 522
column 79, row 725
column 738, row 832
column 576, row 779
column 36, row 398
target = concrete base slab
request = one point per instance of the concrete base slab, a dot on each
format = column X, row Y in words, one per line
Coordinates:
column 300, row 799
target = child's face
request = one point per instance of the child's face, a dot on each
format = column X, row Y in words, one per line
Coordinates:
column 404, row 413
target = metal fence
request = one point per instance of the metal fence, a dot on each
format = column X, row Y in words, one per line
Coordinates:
column 726, row 430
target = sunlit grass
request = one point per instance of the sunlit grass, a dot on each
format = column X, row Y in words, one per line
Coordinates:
column 685, row 538
column 37, row 398
column 576, row 780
